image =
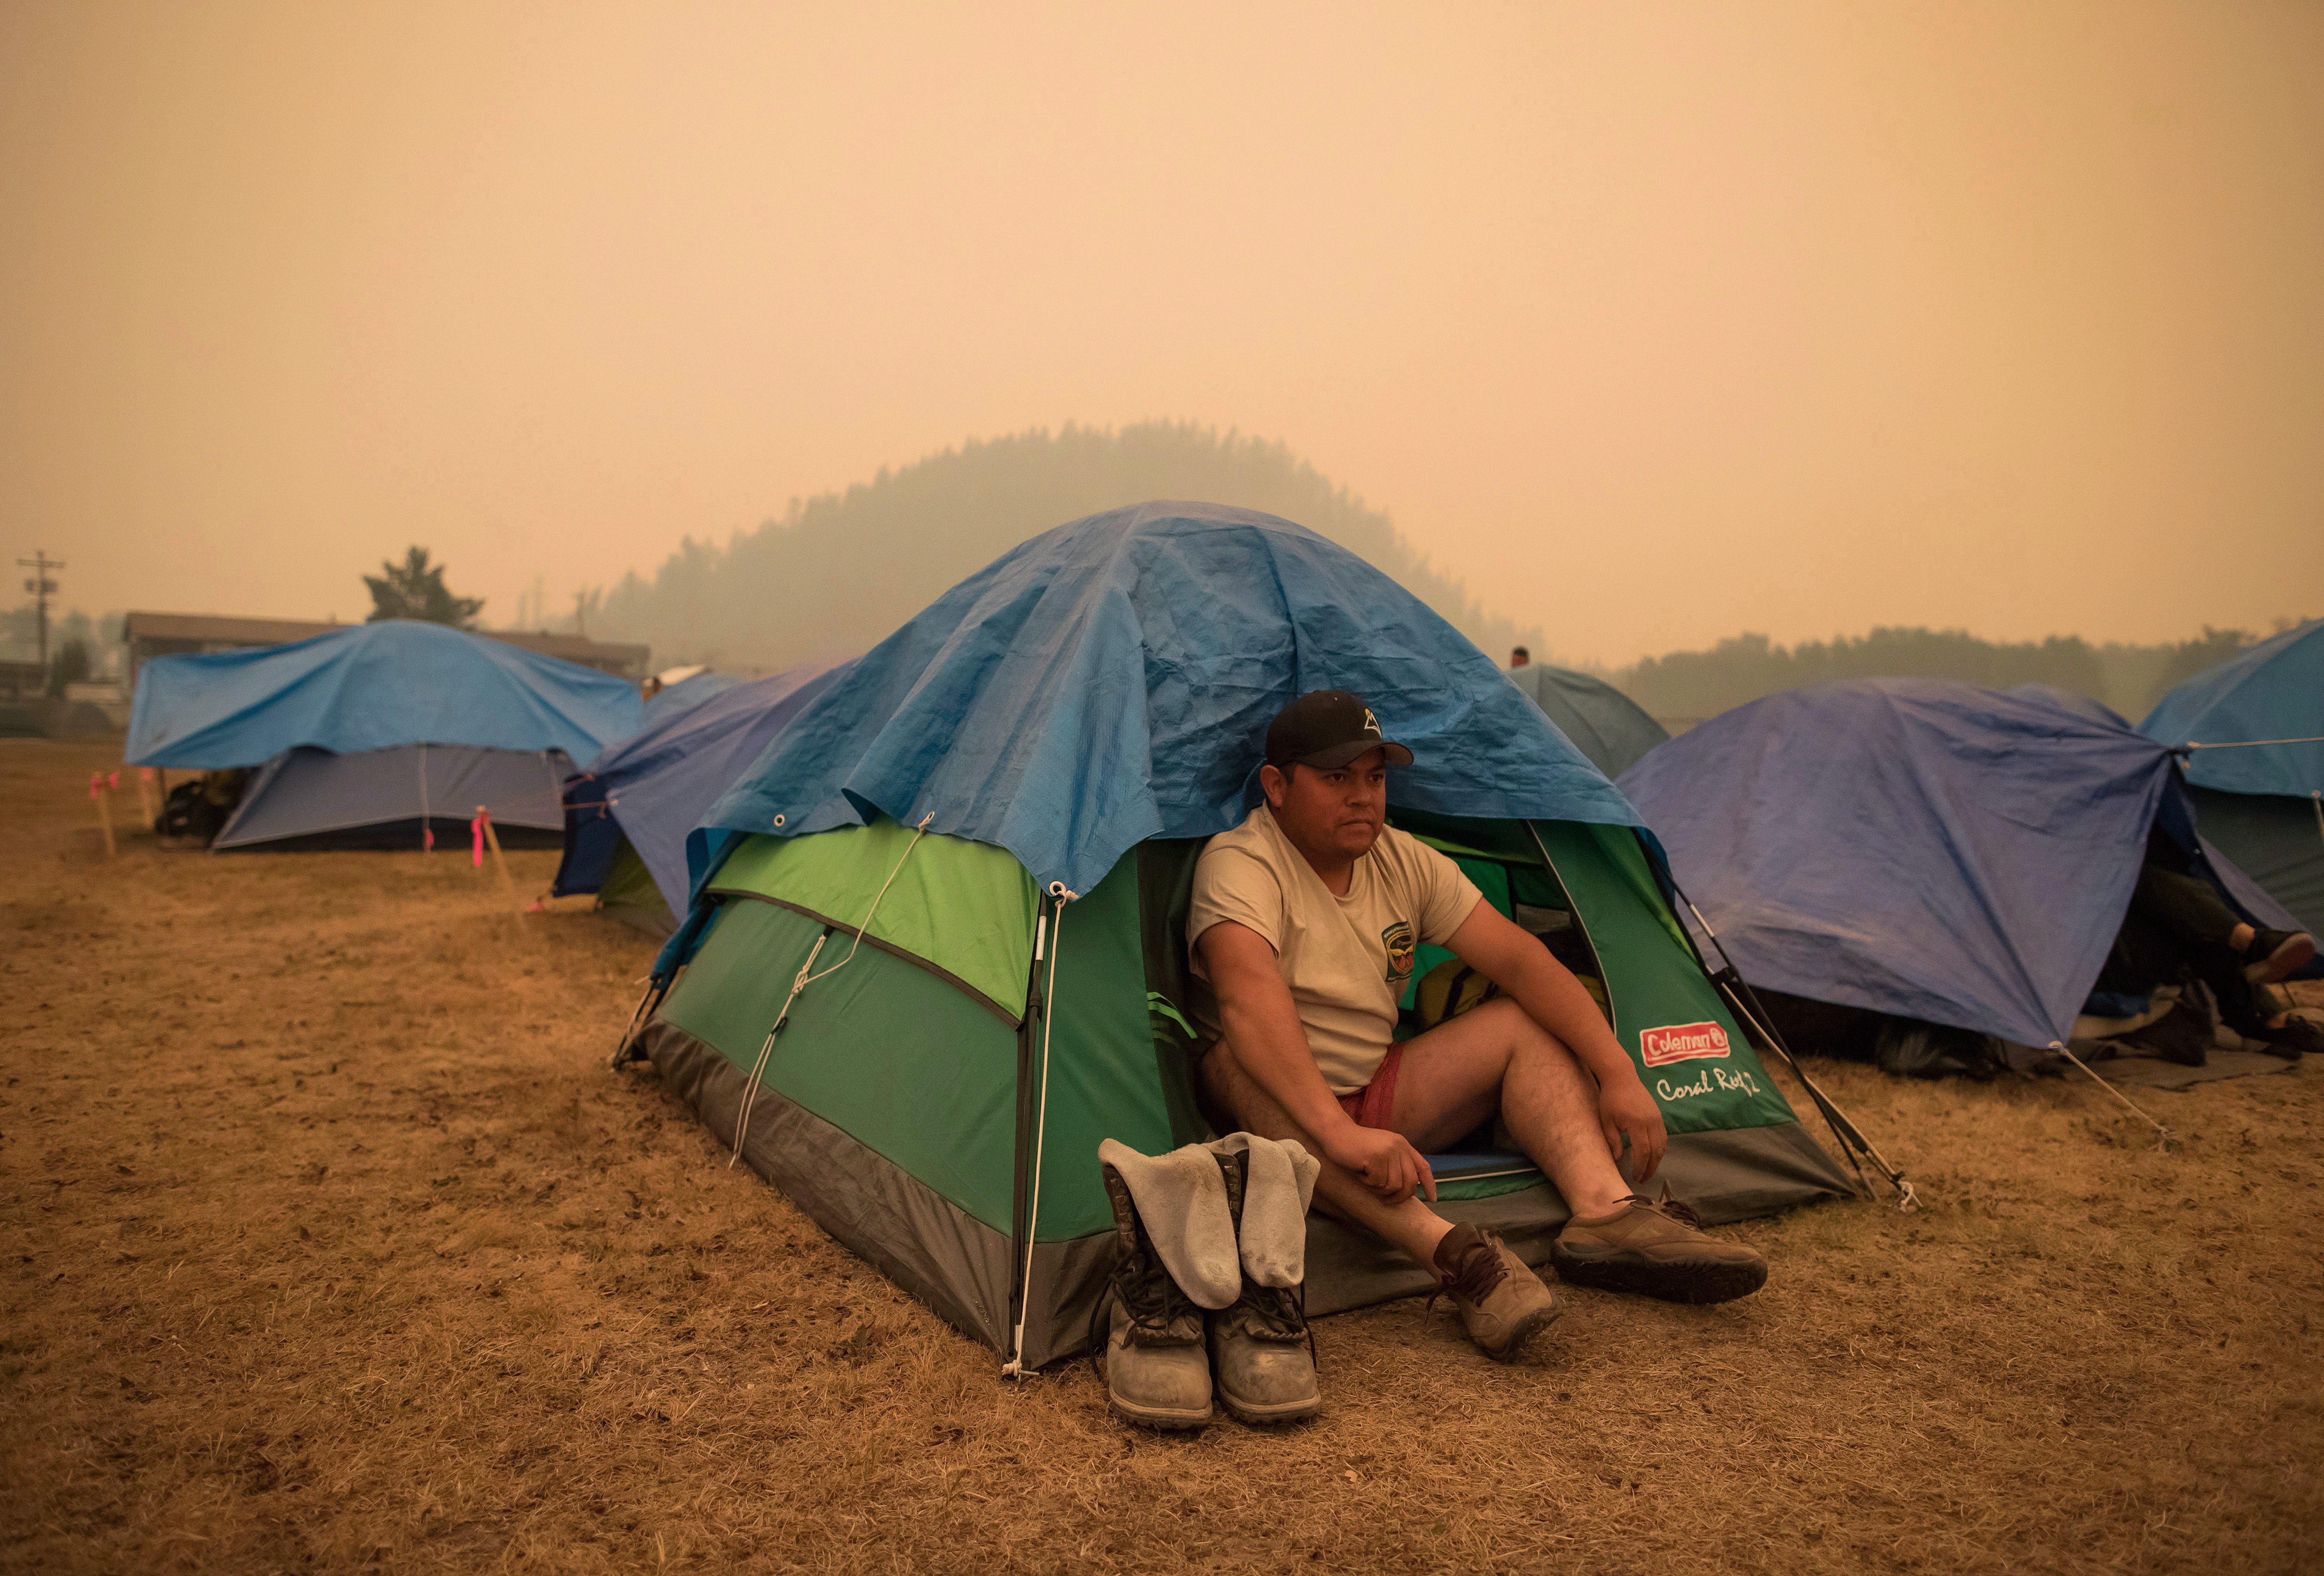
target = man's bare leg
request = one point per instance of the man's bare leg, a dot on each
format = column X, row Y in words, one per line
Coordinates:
column 1455, row 1074
column 1411, row 1225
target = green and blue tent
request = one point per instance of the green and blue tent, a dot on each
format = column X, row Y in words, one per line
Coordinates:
column 936, row 947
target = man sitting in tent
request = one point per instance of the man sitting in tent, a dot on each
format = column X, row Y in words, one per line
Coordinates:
column 2180, row 930
column 1303, row 924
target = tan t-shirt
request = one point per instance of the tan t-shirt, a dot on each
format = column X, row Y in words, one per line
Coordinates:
column 1345, row 959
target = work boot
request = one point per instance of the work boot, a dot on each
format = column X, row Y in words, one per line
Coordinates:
column 1261, row 1351
column 1156, row 1370
column 1503, row 1304
column 2181, row 1035
column 2290, row 1039
column 2273, row 956
column 1656, row 1248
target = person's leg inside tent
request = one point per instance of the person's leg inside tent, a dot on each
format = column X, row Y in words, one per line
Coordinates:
column 2237, row 960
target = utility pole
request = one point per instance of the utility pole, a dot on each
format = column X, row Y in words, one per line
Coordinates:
column 42, row 588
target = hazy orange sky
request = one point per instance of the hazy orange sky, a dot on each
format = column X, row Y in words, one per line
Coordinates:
column 1655, row 323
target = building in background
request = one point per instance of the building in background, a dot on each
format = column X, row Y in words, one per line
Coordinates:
column 148, row 635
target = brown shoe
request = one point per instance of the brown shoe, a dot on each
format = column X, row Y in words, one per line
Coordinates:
column 1503, row 1304
column 1656, row 1248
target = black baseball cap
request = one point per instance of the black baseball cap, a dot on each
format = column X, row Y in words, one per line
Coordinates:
column 1326, row 729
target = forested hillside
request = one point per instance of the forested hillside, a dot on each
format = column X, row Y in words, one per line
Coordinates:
column 1690, row 685
column 839, row 572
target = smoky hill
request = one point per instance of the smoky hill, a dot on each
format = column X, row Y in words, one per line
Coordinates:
column 837, row 573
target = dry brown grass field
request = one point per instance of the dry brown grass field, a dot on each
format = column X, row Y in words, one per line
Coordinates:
column 332, row 1243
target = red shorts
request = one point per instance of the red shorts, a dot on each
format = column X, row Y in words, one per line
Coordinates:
column 1374, row 1103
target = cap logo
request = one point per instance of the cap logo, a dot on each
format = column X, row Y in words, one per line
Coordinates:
column 1372, row 722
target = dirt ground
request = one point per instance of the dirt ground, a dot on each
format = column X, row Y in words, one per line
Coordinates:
column 332, row 1242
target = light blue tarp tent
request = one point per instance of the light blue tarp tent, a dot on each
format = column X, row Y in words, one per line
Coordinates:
column 380, row 733
column 2261, row 802
column 1916, row 847
column 1605, row 725
column 646, row 793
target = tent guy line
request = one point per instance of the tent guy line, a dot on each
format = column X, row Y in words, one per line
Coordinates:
column 2165, row 1136
column 2250, row 743
column 804, row 978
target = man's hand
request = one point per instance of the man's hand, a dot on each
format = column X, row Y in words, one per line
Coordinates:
column 1388, row 1164
column 1625, row 1109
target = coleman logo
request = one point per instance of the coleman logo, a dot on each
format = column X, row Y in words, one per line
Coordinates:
column 1682, row 1042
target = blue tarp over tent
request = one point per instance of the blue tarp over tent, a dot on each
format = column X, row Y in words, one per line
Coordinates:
column 684, row 695
column 1605, row 725
column 2276, row 690
column 1111, row 680
column 2262, row 802
column 654, row 787
column 372, row 687
column 1914, row 847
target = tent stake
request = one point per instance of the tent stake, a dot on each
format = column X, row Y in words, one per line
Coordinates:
column 104, row 812
column 622, row 1052
column 500, row 863
column 2165, row 1136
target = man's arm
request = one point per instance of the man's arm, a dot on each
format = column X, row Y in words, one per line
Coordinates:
column 1259, row 1018
column 1488, row 942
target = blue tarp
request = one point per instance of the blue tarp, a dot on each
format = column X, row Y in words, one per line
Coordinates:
column 1111, row 680
column 2276, row 690
column 1605, row 725
column 655, row 786
column 1914, row 847
column 372, row 687
column 684, row 696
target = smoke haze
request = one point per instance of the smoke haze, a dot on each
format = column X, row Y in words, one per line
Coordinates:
column 1651, row 323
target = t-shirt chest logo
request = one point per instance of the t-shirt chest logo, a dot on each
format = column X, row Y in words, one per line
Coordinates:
column 1397, row 939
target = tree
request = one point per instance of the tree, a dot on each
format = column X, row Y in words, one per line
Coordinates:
column 415, row 589
column 70, row 665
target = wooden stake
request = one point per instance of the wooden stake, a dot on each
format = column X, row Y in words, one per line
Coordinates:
column 500, row 863
column 104, row 811
column 146, row 794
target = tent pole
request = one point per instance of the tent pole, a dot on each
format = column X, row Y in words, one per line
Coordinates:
column 1020, row 1238
column 1015, row 1367
column 1746, row 1001
column 1852, row 1141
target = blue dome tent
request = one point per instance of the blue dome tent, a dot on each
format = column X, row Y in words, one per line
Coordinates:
column 379, row 735
column 2252, row 729
column 1605, row 725
column 936, row 949
column 687, row 694
column 1922, row 848
column 627, row 818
